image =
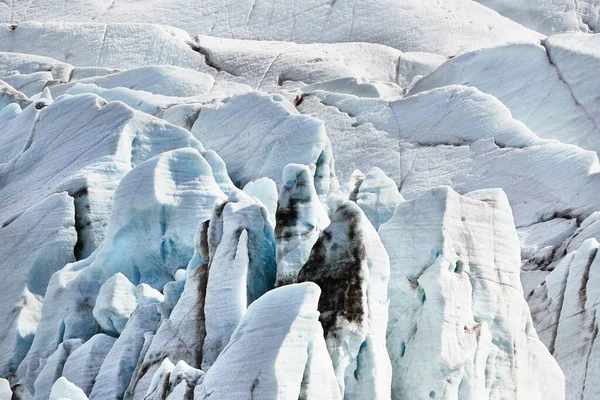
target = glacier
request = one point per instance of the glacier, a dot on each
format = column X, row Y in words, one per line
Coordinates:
column 322, row 200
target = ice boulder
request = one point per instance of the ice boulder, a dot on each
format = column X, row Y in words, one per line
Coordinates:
column 459, row 326
column 299, row 219
column 351, row 266
column 63, row 390
column 276, row 352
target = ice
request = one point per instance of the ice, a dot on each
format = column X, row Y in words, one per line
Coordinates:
column 377, row 196
column 547, row 17
column 29, row 260
column 115, row 303
column 564, row 310
column 63, row 389
column 258, row 134
column 83, row 364
column 252, row 367
column 459, row 325
column 299, row 219
column 265, row 190
column 5, row 392
column 157, row 207
column 53, row 368
column 532, row 91
column 120, row 362
column 242, row 267
column 447, row 27
column 351, row 266
column 179, row 337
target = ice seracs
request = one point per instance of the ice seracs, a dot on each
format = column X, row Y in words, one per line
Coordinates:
column 455, row 294
column 564, row 309
column 282, row 366
column 352, row 268
column 258, row 134
column 299, row 219
column 241, row 267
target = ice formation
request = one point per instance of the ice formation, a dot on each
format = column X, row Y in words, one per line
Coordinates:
column 299, row 200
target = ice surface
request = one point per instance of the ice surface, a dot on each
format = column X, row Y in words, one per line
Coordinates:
column 63, row 389
column 251, row 367
column 299, row 219
column 242, row 268
column 28, row 262
column 534, row 90
column 447, row 27
column 258, row 134
column 115, row 303
column 351, row 266
column 455, row 294
column 156, row 185
column 83, row 364
column 564, row 310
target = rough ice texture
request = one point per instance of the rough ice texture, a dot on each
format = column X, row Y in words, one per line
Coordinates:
column 447, row 27
column 550, row 80
column 258, row 134
column 564, row 309
column 157, row 207
column 299, row 219
column 35, row 245
column 83, row 364
column 180, row 337
column 241, row 267
column 455, row 294
column 351, row 266
column 119, row 365
column 251, row 367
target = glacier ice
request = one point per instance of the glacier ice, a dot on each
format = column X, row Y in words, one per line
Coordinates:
column 64, row 389
column 299, row 218
column 241, row 267
column 351, row 266
column 250, row 367
column 172, row 224
column 455, row 295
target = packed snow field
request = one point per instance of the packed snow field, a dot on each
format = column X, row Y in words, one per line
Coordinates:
column 359, row 200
